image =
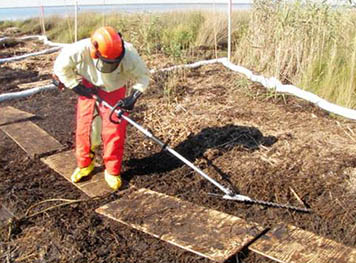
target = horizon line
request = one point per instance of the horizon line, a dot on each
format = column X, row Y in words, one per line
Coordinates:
column 19, row 4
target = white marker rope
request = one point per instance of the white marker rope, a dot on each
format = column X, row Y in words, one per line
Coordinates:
column 194, row 65
column 273, row 83
column 25, row 93
column 34, row 37
column 56, row 47
column 22, row 57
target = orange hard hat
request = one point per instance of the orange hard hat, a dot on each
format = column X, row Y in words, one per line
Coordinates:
column 107, row 45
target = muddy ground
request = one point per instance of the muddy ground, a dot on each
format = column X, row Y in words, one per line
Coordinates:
column 267, row 146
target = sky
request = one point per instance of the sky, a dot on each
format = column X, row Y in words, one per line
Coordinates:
column 27, row 3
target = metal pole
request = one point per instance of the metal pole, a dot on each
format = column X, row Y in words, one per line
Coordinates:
column 104, row 16
column 42, row 19
column 215, row 34
column 229, row 195
column 76, row 22
column 229, row 31
column 228, row 192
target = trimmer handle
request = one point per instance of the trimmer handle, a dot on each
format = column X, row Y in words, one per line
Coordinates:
column 118, row 111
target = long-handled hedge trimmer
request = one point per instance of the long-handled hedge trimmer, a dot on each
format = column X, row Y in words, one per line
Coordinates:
column 228, row 193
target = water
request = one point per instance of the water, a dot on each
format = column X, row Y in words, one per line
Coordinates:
column 31, row 12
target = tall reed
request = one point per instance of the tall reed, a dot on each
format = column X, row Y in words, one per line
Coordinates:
column 310, row 45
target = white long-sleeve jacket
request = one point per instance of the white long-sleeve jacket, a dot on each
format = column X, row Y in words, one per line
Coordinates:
column 75, row 60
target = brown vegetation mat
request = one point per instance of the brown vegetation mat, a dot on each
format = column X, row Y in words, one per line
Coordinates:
column 25, row 71
column 270, row 147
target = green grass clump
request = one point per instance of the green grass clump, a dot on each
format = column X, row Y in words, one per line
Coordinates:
column 28, row 26
column 177, row 39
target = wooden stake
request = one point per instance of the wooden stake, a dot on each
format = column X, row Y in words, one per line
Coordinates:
column 297, row 197
column 42, row 20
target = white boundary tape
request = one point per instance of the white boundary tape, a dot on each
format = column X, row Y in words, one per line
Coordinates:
column 18, row 58
column 25, row 93
column 273, row 83
column 193, row 65
column 269, row 83
column 35, row 37
column 56, row 47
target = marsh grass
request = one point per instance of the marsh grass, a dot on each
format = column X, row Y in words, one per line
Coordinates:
column 310, row 45
column 174, row 33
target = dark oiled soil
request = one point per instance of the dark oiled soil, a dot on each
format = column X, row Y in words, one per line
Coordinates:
column 263, row 145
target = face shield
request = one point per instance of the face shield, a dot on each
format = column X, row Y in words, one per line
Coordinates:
column 106, row 67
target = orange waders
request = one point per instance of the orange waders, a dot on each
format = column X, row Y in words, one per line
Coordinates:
column 113, row 135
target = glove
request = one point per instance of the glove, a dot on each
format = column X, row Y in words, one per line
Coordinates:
column 57, row 82
column 81, row 90
column 128, row 103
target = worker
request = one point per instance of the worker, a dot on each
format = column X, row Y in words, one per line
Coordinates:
column 102, row 65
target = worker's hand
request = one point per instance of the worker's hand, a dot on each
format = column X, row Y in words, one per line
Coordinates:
column 81, row 90
column 57, row 82
column 128, row 103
